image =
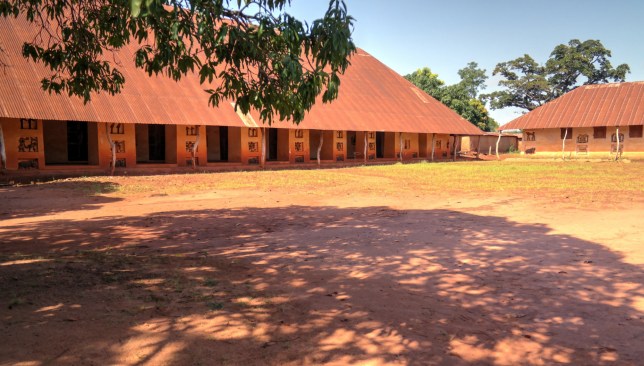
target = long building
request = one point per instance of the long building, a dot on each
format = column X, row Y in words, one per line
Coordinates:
column 155, row 122
column 592, row 120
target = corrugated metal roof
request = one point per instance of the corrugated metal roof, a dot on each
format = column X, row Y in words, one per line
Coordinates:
column 372, row 97
column 616, row 104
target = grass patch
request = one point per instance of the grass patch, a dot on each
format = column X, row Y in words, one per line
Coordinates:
column 465, row 177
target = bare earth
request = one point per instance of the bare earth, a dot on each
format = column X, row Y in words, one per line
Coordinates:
column 276, row 276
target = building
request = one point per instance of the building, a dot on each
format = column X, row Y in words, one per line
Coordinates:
column 592, row 120
column 156, row 122
column 486, row 143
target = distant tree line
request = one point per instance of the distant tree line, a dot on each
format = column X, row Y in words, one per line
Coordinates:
column 524, row 83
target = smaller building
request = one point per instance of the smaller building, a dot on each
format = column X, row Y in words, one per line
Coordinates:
column 590, row 121
column 486, row 143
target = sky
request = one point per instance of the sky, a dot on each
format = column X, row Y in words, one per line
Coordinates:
column 445, row 35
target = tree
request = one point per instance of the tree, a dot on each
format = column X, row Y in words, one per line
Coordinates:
column 461, row 97
column 529, row 85
column 426, row 80
column 472, row 79
column 254, row 53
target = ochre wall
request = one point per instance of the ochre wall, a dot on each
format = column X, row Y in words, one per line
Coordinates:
column 92, row 143
column 371, row 145
column 489, row 141
column 391, row 141
column 12, row 134
column 142, row 150
column 183, row 152
column 300, row 147
column 412, row 145
column 235, row 144
column 128, row 138
column 441, row 149
column 284, row 144
column 328, row 147
column 246, row 155
column 172, row 145
column 548, row 142
column 423, row 144
column 292, row 148
column 55, row 141
column 340, row 145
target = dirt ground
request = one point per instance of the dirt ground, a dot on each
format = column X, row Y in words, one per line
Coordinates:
column 271, row 275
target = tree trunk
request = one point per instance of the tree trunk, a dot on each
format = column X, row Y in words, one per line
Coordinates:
column 456, row 143
column 194, row 148
column 497, row 146
column 262, row 159
column 563, row 145
column 320, row 146
column 3, row 152
column 113, row 147
column 401, row 147
column 365, row 147
column 433, row 145
column 617, row 151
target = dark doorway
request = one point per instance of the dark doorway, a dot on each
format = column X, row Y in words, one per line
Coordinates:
column 351, row 144
column 272, row 144
column 156, row 142
column 223, row 142
column 380, row 145
column 77, row 148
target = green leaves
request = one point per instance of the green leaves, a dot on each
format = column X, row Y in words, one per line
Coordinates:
column 141, row 6
column 247, row 51
column 460, row 97
column 529, row 85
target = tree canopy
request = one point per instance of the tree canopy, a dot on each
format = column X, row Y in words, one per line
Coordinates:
column 528, row 84
column 462, row 97
column 248, row 51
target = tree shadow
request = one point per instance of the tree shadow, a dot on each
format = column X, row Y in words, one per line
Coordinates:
column 306, row 285
column 29, row 200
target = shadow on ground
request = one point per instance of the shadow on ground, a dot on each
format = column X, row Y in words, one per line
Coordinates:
column 314, row 285
column 28, row 201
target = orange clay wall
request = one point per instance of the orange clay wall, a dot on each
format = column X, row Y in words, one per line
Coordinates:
column 442, row 145
column 186, row 139
column 299, row 146
column 123, row 136
column 245, row 145
column 548, row 143
column 23, row 147
column 409, row 146
column 340, row 145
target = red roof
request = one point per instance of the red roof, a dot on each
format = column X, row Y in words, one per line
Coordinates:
column 617, row 104
column 372, row 97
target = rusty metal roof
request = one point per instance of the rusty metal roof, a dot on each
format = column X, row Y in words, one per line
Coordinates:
column 615, row 104
column 372, row 97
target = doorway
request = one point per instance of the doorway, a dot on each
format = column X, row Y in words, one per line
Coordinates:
column 70, row 142
column 351, row 144
column 217, row 141
column 272, row 144
column 278, row 144
column 77, row 142
column 156, row 143
column 380, row 145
